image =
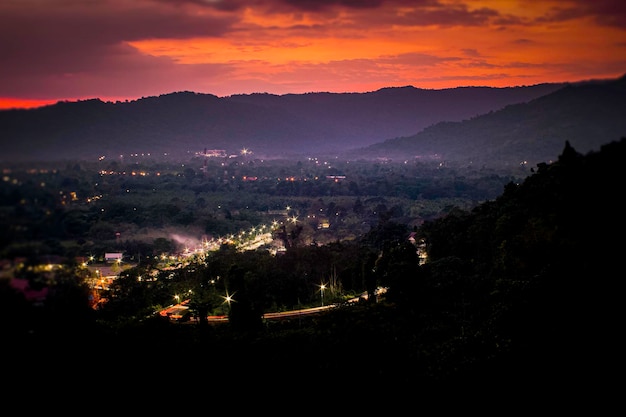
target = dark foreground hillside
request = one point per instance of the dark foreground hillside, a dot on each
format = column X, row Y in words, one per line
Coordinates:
column 520, row 297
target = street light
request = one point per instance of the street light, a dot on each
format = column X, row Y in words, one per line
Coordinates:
column 228, row 299
column 322, row 288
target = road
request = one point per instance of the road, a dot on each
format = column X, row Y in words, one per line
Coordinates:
column 178, row 311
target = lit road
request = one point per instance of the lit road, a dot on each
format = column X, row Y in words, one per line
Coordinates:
column 296, row 313
column 176, row 311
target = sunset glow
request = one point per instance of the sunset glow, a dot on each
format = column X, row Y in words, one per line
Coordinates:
column 118, row 50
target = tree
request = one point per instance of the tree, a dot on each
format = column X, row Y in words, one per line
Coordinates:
column 244, row 314
column 397, row 268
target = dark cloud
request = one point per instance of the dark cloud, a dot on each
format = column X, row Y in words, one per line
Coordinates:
column 220, row 5
column 471, row 52
column 457, row 15
column 66, row 42
column 604, row 12
column 317, row 5
column 377, row 12
column 110, row 21
column 284, row 6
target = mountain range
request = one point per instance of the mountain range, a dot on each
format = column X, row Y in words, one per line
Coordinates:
column 479, row 125
column 587, row 115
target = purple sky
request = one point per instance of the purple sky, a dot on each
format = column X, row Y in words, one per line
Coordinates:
column 123, row 50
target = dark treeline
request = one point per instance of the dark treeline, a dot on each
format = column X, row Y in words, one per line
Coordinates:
column 518, row 291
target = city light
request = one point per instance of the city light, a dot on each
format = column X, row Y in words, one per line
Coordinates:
column 228, row 299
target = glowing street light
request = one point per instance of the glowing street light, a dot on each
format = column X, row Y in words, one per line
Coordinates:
column 322, row 288
column 228, row 299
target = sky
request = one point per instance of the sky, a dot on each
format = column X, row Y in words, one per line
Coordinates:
column 118, row 50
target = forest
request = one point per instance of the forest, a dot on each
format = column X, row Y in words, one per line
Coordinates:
column 519, row 285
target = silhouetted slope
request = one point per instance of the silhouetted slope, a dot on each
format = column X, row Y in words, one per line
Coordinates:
column 270, row 125
column 351, row 120
column 537, row 271
column 587, row 115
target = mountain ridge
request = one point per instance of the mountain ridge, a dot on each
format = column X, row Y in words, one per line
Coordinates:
column 272, row 126
column 587, row 115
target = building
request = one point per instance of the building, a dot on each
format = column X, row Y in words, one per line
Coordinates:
column 111, row 257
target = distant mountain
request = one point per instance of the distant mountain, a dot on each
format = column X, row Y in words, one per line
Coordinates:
column 269, row 125
column 587, row 114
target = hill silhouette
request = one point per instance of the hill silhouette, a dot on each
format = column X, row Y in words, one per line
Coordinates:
column 271, row 126
column 587, row 115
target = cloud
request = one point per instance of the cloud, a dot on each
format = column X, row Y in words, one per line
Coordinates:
column 610, row 13
column 84, row 47
column 117, row 48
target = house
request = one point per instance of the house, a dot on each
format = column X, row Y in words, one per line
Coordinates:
column 111, row 257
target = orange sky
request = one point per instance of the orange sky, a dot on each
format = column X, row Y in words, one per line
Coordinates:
column 113, row 50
